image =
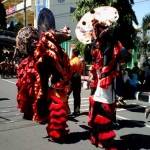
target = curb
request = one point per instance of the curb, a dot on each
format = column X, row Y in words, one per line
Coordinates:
column 143, row 96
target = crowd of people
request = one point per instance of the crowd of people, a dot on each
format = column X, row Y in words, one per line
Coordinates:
column 129, row 80
column 9, row 63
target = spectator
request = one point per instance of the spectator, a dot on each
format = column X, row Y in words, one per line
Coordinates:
column 120, row 88
column 77, row 69
column 133, row 84
column 147, row 77
column 136, row 69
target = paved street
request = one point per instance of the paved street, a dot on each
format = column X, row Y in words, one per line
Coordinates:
column 19, row 134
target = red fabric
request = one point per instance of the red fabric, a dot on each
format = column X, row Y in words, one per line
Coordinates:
column 48, row 48
column 101, row 130
column 97, row 55
column 106, row 135
column 57, row 117
column 58, row 120
column 56, row 100
column 102, row 120
column 107, row 81
column 94, row 81
column 57, row 126
column 56, row 107
column 26, row 83
column 58, row 113
column 54, row 134
column 117, row 49
column 90, row 114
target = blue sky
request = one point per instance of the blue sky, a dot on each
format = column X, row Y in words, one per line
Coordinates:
column 141, row 8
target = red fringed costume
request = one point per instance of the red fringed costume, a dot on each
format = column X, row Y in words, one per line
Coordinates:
column 45, row 63
column 26, row 84
column 51, row 105
column 102, row 104
column 26, row 72
column 98, row 28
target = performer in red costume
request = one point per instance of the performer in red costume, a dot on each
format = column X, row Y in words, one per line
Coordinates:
column 45, row 61
column 93, row 70
column 97, row 27
column 26, row 73
column 51, row 105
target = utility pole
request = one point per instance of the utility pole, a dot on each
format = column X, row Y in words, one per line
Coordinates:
column 25, row 14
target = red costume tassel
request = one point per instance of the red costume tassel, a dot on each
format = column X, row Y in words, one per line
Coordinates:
column 102, row 120
column 104, row 136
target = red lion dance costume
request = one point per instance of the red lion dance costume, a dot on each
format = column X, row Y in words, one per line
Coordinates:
column 53, row 65
column 26, row 72
column 97, row 27
column 45, row 61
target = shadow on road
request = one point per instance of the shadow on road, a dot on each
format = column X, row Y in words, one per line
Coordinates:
column 71, row 138
column 135, row 108
column 75, row 137
column 72, row 119
column 4, row 99
column 126, row 142
column 136, row 141
column 130, row 123
column 128, row 106
column 132, row 142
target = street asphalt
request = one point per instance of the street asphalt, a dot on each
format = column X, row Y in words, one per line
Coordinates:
column 19, row 134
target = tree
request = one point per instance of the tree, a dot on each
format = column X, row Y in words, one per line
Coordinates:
column 2, row 16
column 146, row 39
column 145, row 24
column 125, row 30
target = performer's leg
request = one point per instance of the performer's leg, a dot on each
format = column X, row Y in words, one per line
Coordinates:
column 77, row 100
column 57, row 127
column 100, row 121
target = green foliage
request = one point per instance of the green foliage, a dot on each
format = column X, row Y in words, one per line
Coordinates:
column 125, row 30
column 79, row 46
column 145, row 46
column 146, row 24
column 84, row 6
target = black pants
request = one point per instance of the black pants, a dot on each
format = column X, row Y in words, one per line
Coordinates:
column 76, row 89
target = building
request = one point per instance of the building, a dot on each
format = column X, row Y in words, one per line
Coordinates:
column 26, row 11
column 15, row 11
